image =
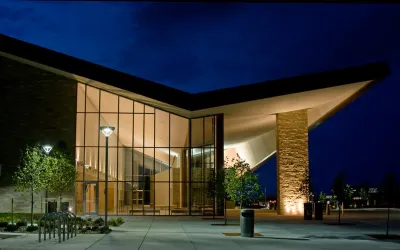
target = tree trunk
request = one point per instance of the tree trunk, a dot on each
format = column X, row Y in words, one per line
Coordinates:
column 225, row 216
column 31, row 206
column 60, row 204
column 339, row 214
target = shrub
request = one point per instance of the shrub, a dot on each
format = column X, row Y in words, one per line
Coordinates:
column 116, row 222
column 49, row 224
column 120, row 221
column 94, row 228
column 3, row 223
column 11, row 228
column 21, row 223
column 84, row 230
column 31, row 228
column 98, row 222
column 104, row 230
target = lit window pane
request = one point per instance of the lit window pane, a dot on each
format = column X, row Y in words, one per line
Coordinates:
column 92, row 99
column 162, row 164
column 162, row 129
column 109, row 120
column 109, row 102
column 112, row 164
column 80, row 105
column 197, row 132
column 149, row 131
column 92, row 129
column 125, row 105
column 91, row 163
column 209, row 131
column 139, row 107
column 80, row 129
column 138, row 130
column 125, row 130
column 79, row 162
column 179, row 131
column 148, row 109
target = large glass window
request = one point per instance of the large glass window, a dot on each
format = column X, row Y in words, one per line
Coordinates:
column 159, row 163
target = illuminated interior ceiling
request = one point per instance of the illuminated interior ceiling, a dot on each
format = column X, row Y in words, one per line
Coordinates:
column 249, row 111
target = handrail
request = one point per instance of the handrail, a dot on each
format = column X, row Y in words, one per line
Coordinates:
column 68, row 219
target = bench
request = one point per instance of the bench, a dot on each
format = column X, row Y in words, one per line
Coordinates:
column 184, row 211
column 131, row 211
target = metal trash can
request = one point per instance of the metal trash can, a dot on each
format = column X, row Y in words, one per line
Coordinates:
column 319, row 211
column 247, row 223
column 308, row 211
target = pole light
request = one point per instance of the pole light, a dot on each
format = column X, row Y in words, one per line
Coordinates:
column 107, row 131
column 47, row 149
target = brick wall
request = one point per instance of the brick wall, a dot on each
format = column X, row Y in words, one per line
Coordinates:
column 36, row 106
column 292, row 160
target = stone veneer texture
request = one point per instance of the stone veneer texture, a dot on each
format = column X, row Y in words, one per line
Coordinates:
column 292, row 160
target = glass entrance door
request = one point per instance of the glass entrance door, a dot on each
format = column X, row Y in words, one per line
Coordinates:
column 91, row 197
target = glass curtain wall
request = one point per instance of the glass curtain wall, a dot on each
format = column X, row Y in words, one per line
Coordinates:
column 159, row 163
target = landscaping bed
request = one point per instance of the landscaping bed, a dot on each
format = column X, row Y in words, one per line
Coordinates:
column 84, row 226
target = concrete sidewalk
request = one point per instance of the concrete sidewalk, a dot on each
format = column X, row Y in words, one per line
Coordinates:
column 194, row 233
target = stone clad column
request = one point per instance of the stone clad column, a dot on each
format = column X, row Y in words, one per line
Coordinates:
column 292, row 160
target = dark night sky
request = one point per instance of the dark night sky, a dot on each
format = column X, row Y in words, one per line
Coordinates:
column 202, row 46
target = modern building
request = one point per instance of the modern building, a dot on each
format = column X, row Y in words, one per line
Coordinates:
column 167, row 143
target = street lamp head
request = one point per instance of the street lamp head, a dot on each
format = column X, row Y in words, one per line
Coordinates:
column 47, row 148
column 107, row 130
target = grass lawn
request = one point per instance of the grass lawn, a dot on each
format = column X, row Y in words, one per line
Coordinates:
column 20, row 217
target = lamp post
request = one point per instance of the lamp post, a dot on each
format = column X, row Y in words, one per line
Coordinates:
column 107, row 131
column 47, row 149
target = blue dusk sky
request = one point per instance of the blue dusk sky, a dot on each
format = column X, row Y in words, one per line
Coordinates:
column 198, row 47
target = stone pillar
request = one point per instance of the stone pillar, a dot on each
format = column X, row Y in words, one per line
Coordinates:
column 292, row 160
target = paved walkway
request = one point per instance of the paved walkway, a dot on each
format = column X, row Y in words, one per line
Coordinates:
column 164, row 233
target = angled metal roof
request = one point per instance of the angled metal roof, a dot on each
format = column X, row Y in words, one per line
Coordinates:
column 185, row 100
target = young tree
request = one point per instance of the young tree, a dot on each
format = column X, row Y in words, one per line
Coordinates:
column 31, row 173
column 214, row 192
column 348, row 194
column 61, row 173
column 241, row 184
column 390, row 188
column 322, row 197
column 339, row 189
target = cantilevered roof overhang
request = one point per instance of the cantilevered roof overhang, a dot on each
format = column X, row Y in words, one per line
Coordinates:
column 249, row 110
